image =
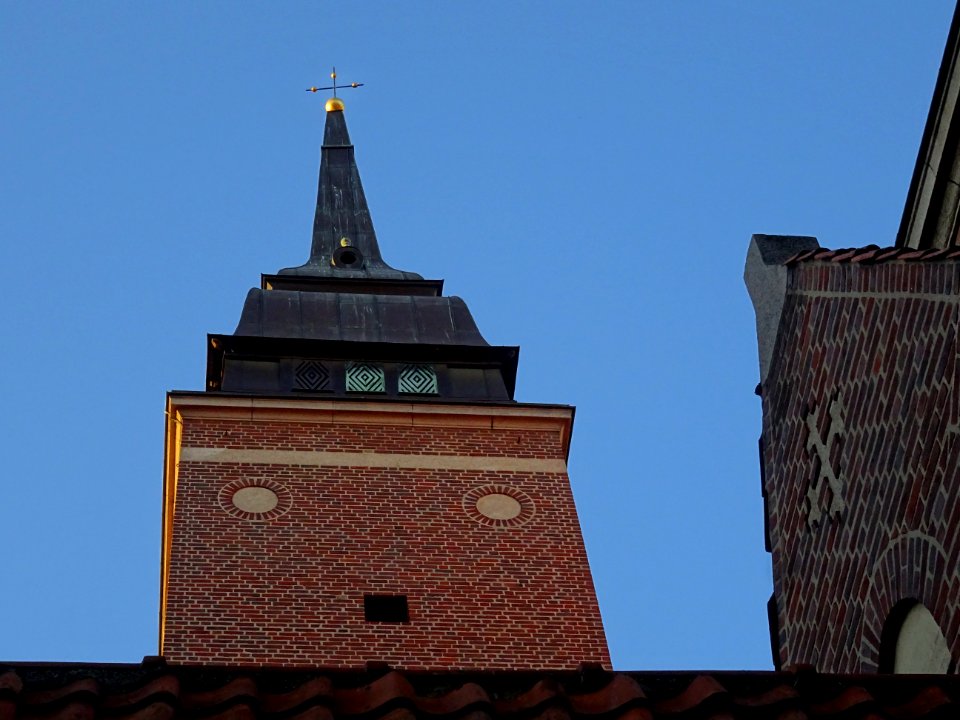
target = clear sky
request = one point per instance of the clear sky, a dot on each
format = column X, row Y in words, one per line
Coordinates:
column 585, row 175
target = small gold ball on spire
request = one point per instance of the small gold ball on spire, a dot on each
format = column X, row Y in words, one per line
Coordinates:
column 334, row 105
column 334, row 74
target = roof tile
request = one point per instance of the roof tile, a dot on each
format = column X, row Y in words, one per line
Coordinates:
column 302, row 696
column 133, row 692
column 702, row 688
column 873, row 254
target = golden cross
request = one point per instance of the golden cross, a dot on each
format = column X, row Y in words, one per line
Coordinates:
column 334, row 86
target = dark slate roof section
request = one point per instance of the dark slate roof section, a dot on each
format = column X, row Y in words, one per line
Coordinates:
column 872, row 255
column 342, row 215
column 159, row 692
column 358, row 318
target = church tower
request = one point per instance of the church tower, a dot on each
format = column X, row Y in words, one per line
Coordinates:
column 357, row 485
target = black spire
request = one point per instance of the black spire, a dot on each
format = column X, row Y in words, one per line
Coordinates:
column 344, row 242
column 345, row 313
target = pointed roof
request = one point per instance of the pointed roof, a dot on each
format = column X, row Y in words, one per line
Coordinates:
column 346, row 305
column 344, row 241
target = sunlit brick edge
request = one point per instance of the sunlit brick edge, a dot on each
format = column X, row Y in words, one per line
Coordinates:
column 527, row 508
column 225, row 499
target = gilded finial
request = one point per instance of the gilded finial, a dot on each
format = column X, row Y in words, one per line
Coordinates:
column 334, row 103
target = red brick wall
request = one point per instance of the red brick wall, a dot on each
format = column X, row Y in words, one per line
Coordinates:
column 881, row 342
column 289, row 591
column 366, row 437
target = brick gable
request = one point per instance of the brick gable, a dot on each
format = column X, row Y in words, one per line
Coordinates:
column 861, row 457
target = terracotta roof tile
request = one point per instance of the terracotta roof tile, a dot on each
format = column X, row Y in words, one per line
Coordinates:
column 924, row 704
column 886, row 253
column 86, row 689
column 843, row 702
column 621, row 692
column 299, row 698
column 698, row 692
column 153, row 690
column 238, row 690
column 158, row 692
column 387, row 690
column 537, row 696
column 839, row 256
column 776, row 695
column 872, row 254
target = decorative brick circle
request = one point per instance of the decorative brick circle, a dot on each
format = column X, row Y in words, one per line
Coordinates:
column 254, row 499
column 257, row 500
column 498, row 506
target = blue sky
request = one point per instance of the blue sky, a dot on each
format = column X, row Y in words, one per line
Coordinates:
column 585, row 175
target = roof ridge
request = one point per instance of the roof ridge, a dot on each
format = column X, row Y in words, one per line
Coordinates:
column 872, row 255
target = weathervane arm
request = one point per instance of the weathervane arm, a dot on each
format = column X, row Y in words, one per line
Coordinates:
column 334, row 87
column 331, row 87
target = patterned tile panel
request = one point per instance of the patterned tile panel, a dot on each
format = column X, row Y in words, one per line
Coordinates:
column 365, row 378
column 312, row 376
column 418, row 380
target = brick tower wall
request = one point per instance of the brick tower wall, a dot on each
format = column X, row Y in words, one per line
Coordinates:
column 374, row 500
column 861, row 457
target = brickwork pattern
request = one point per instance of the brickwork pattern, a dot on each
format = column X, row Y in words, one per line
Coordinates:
column 289, row 592
column 366, row 437
column 878, row 343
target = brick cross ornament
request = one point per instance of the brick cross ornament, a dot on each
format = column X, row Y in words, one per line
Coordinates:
column 827, row 474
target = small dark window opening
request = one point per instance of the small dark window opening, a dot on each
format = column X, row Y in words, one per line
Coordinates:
column 386, row 608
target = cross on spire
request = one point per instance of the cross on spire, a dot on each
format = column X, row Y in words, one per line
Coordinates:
column 334, row 87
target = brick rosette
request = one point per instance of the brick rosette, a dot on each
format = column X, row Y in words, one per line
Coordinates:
column 225, row 498
column 525, row 512
column 878, row 344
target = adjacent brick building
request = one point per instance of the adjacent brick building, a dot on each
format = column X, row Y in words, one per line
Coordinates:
column 860, row 448
column 860, row 451
column 357, row 484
